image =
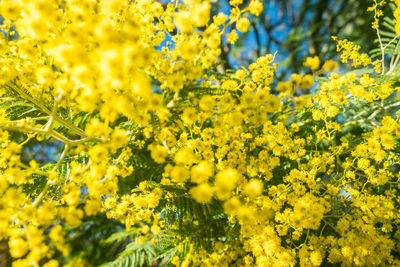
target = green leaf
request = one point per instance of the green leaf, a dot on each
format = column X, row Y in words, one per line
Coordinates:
column 387, row 34
column 118, row 237
column 138, row 255
column 363, row 71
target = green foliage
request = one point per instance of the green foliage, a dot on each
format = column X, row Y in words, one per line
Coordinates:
column 137, row 255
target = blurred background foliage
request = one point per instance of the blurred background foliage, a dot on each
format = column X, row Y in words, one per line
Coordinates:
column 299, row 28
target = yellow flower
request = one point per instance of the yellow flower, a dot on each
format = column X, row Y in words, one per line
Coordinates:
column 207, row 103
column 189, row 116
column 179, row 174
column 235, row 2
column 200, row 13
column 175, row 260
column 119, row 138
column 92, row 206
column 307, row 81
column 51, row 263
column 141, row 85
column 255, row 7
column 330, row 65
column 201, row 172
column 312, row 62
column 158, row 153
column 184, row 156
column 315, row 258
column 387, row 141
column 332, row 111
column 232, row 205
column 245, row 215
column 243, row 24
column 232, row 37
column 18, row 247
column 317, row 115
column 202, row 193
column 155, row 229
column 254, row 188
column 225, row 182
column 183, row 22
column 295, row 79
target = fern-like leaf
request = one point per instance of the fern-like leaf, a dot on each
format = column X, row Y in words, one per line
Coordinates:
column 388, row 40
column 139, row 255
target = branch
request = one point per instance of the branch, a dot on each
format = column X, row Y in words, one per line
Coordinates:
column 46, row 110
column 51, row 132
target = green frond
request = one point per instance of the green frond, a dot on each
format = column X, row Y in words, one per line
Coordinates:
column 389, row 40
column 13, row 89
column 145, row 169
column 200, row 223
column 18, row 108
column 138, row 255
column 120, row 236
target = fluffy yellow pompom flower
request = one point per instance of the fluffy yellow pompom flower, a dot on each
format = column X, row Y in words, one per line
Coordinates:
column 232, row 37
column 158, row 153
column 10, row 10
column 207, row 103
column 200, row 14
column 18, row 247
column 183, row 22
column 183, row 156
column 307, row 81
column 312, row 62
column 179, row 174
column 330, row 65
column 243, row 24
column 202, row 193
column 141, row 85
column 225, row 182
column 256, row 7
column 254, row 188
column 189, row 116
column 201, row 172
column 232, row 205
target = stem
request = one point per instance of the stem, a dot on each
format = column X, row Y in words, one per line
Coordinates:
column 394, row 53
column 382, row 50
column 53, row 114
column 374, row 114
column 323, row 228
column 391, row 41
column 46, row 110
column 394, row 65
column 392, row 105
column 50, row 132
column 362, row 189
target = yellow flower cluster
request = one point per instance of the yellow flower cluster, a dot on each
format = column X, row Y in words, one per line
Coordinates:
column 157, row 140
column 350, row 51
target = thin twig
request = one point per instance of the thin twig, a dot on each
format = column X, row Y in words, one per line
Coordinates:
column 392, row 105
column 382, row 51
column 50, row 132
column 392, row 63
column 391, row 41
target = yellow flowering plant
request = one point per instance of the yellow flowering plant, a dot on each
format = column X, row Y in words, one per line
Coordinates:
column 165, row 160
